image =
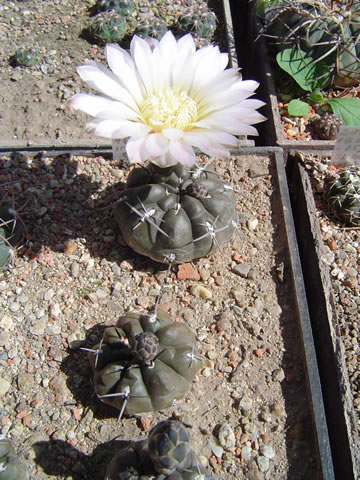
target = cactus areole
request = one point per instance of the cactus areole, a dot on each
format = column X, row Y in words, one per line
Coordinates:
column 176, row 215
column 145, row 362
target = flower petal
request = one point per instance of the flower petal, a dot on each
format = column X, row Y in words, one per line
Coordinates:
column 94, row 105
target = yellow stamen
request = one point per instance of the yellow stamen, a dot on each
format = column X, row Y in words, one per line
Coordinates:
column 169, row 110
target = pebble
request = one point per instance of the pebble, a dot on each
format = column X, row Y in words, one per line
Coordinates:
column 267, row 451
column 226, row 436
column 246, row 453
column 242, row 269
column 39, row 325
column 6, row 322
column 216, row 449
column 263, row 463
column 4, row 386
column 278, row 375
column 49, row 294
column 200, row 291
column 252, row 223
column 75, row 269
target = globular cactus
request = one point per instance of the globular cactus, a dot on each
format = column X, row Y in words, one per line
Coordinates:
column 178, row 217
column 324, row 29
column 10, row 466
column 144, row 362
column 122, row 7
column 170, row 447
column 108, row 27
column 150, row 27
column 201, row 24
column 11, row 232
column 26, row 57
column 165, row 455
column 327, row 126
column 343, row 195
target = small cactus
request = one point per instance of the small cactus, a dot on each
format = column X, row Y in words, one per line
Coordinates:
column 202, row 24
column 178, row 217
column 10, row 466
column 327, row 126
column 165, row 455
column 108, row 27
column 169, row 446
column 11, row 232
column 151, row 27
column 26, row 57
column 343, row 195
column 144, row 362
column 122, row 7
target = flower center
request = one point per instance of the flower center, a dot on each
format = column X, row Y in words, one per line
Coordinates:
column 169, row 110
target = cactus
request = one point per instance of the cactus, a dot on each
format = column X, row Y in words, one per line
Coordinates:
column 170, row 447
column 26, row 57
column 201, row 24
column 10, row 466
column 343, row 195
column 144, row 362
column 150, row 27
column 178, row 217
column 108, row 27
column 165, row 455
column 122, row 7
column 11, row 232
column 324, row 29
column 327, row 126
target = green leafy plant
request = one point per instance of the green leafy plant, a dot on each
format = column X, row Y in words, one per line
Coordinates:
column 26, row 57
column 312, row 76
column 326, row 30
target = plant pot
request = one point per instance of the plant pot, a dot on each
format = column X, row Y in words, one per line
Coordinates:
column 251, row 45
column 246, row 304
column 338, row 399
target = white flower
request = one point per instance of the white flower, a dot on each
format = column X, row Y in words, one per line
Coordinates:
column 168, row 98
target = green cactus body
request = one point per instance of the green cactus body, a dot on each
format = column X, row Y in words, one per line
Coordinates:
column 122, row 7
column 176, row 218
column 324, row 30
column 108, row 27
column 146, row 385
column 26, row 57
column 165, row 455
column 10, row 467
column 10, row 233
column 201, row 24
column 344, row 195
column 151, row 27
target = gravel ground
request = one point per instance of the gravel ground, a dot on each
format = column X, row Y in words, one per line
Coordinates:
column 74, row 276
column 34, row 100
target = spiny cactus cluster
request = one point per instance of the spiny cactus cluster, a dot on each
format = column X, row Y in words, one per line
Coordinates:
column 10, row 466
column 178, row 217
column 343, row 195
column 166, row 454
column 327, row 126
column 326, row 30
column 108, row 27
column 144, row 362
column 26, row 57
column 152, row 19
column 11, row 232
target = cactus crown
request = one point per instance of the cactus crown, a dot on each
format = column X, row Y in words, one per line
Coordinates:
column 325, row 29
column 26, row 56
column 201, row 24
column 343, row 195
column 123, row 7
column 150, row 27
column 108, row 26
column 169, row 446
